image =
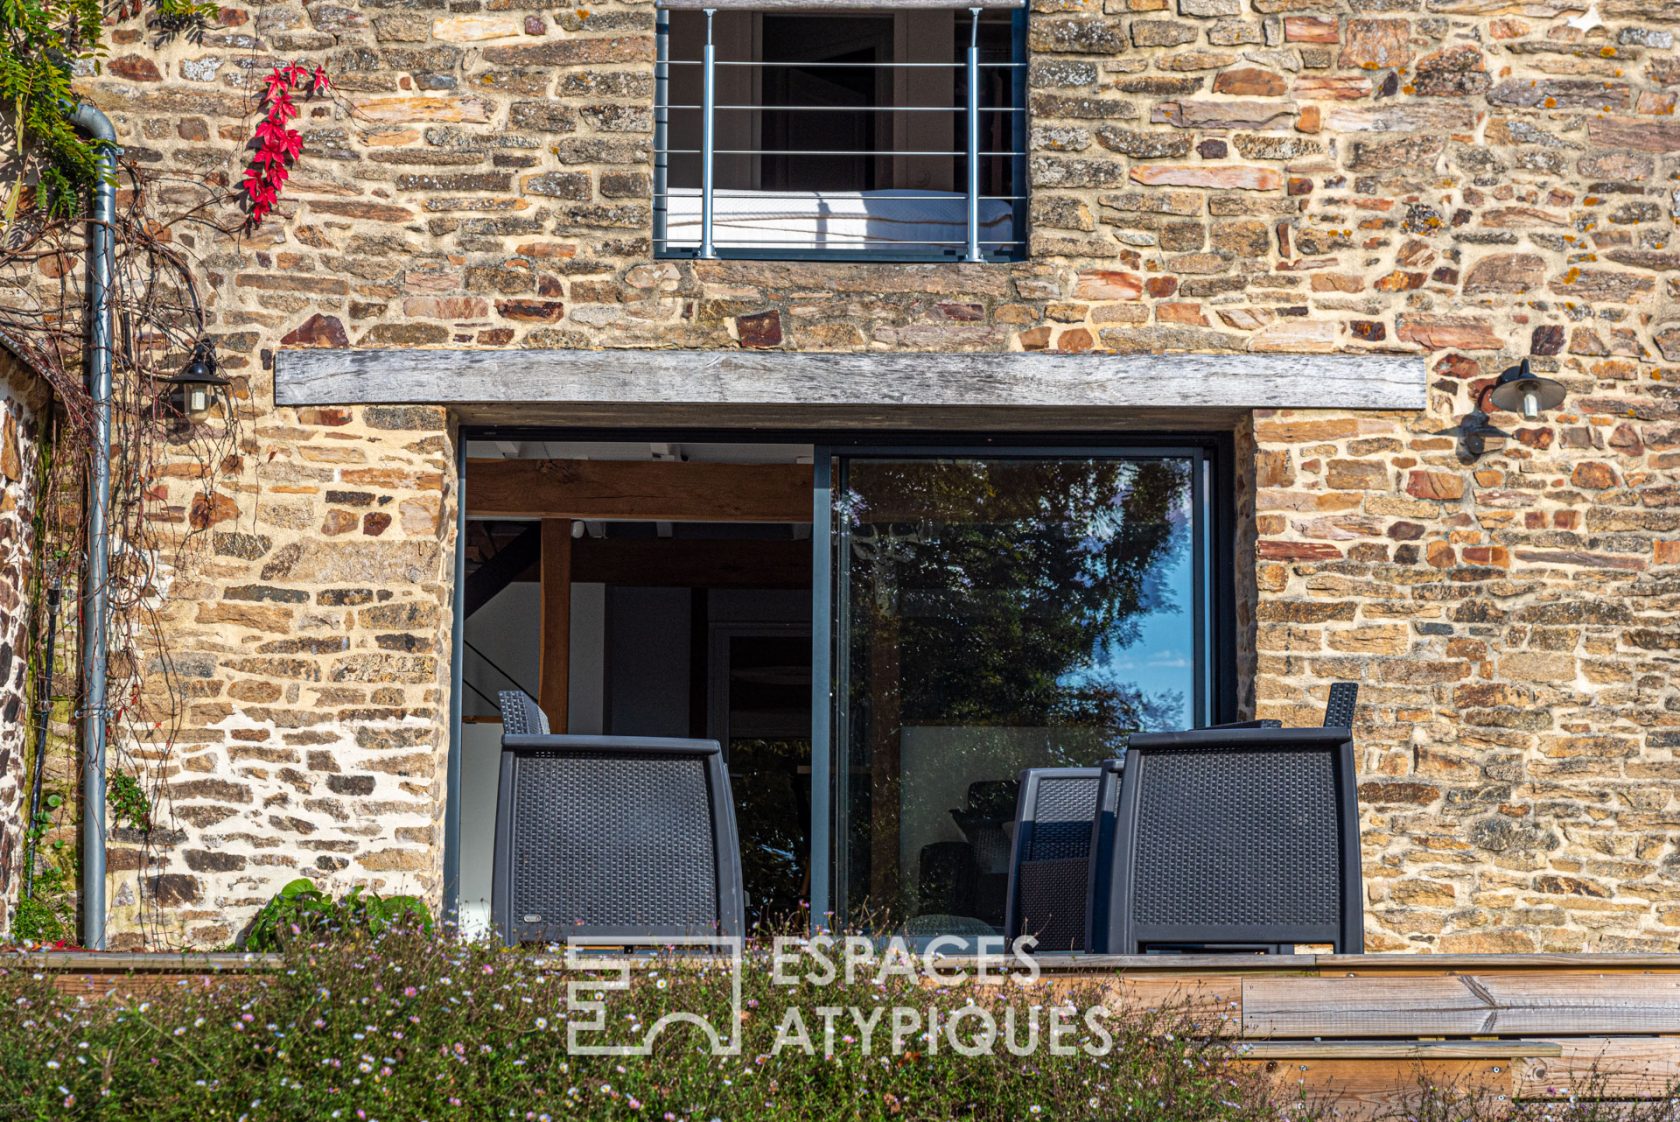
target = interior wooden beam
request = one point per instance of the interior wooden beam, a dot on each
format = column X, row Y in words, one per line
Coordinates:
column 691, row 563
column 639, row 490
column 554, row 653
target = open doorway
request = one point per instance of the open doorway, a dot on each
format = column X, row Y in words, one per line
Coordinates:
column 646, row 589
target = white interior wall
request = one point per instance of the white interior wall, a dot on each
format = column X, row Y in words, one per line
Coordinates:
column 505, row 629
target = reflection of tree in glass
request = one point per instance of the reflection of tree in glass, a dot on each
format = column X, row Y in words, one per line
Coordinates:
column 1012, row 579
column 772, row 813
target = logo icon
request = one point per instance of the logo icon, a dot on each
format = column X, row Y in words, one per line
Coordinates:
column 587, row 1030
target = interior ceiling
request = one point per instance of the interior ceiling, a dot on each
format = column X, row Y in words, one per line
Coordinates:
column 627, row 450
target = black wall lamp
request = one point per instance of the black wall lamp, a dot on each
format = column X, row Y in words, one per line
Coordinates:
column 198, row 384
column 1517, row 390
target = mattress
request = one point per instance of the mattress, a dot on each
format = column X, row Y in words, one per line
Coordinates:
column 894, row 218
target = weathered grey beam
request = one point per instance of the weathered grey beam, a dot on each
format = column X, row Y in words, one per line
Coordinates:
column 895, row 389
column 832, row 6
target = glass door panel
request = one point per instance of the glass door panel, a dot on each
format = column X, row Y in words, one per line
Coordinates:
column 761, row 713
column 994, row 613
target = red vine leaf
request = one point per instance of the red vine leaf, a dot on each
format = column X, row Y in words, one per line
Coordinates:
column 277, row 145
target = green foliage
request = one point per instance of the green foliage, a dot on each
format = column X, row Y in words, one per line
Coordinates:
column 1005, row 589
column 42, row 40
column 41, row 43
column 128, row 801
column 405, row 1026
column 300, row 912
column 47, row 914
column 185, row 15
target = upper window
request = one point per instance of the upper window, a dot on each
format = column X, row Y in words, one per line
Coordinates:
column 895, row 135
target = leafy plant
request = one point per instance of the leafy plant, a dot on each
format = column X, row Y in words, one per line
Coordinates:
column 47, row 913
column 405, row 1026
column 128, row 801
column 277, row 143
column 41, row 41
column 43, row 44
column 301, row 912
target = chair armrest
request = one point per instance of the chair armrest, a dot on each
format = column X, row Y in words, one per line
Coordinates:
column 1266, row 724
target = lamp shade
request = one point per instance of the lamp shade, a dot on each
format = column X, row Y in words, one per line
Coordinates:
column 1520, row 390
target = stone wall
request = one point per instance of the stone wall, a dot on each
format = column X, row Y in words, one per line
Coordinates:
column 1476, row 181
column 23, row 400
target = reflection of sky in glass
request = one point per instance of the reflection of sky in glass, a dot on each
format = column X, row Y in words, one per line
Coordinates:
column 1161, row 664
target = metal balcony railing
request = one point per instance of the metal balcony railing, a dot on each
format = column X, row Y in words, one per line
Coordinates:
column 897, row 222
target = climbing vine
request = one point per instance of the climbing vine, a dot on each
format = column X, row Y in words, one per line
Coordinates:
column 277, row 143
column 48, row 170
column 44, row 44
column 159, row 318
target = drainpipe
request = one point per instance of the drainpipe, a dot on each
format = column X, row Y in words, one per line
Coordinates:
column 96, row 567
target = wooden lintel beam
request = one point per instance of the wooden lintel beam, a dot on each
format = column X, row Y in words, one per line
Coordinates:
column 642, row 387
column 639, row 490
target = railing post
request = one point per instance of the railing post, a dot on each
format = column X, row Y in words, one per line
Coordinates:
column 661, row 131
column 708, row 106
column 973, row 252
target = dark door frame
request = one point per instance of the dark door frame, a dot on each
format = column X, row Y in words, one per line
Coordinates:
column 1214, row 558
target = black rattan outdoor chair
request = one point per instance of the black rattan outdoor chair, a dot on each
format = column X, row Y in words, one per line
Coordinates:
column 1338, row 710
column 1228, row 839
column 617, row 840
column 521, row 714
column 1049, row 861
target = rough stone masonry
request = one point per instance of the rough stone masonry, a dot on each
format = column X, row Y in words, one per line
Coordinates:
column 1476, row 180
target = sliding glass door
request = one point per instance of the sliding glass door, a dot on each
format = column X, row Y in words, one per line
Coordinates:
column 992, row 612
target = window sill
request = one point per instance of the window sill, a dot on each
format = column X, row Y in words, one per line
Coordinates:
column 839, row 256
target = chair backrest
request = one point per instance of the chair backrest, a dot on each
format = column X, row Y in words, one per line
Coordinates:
column 521, row 715
column 1338, row 710
column 621, row 839
column 1228, row 839
column 1049, row 861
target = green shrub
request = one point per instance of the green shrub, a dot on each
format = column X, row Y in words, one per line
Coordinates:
column 403, row 1026
column 302, row 911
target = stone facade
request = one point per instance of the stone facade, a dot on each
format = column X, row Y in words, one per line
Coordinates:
column 1474, row 181
column 23, row 399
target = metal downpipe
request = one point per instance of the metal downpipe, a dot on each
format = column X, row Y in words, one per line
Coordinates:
column 96, row 566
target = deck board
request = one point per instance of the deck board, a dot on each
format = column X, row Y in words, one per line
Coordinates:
column 1461, row 1005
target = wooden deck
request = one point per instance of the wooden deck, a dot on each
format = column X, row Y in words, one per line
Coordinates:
column 1365, row 1030
column 1369, row 1030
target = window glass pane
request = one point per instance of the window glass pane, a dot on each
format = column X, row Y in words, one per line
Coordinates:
column 842, row 133
column 996, row 614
